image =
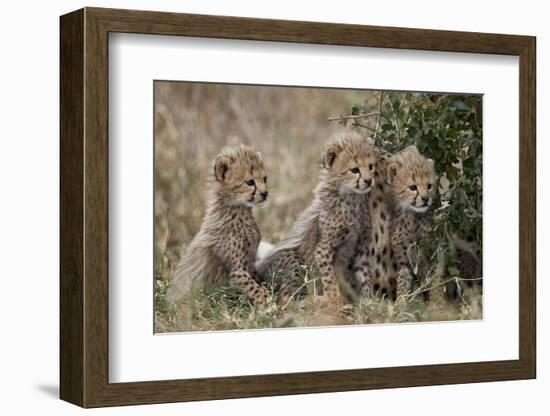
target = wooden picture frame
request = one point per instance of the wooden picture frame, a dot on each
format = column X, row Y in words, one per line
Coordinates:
column 84, row 207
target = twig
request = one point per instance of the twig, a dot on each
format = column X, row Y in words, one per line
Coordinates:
column 380, row 101
column 356, row 124
column 395, row 121
column 297, row 291
column 357, row 117
column 460, row 293
column 452, row 279
column 438, row 101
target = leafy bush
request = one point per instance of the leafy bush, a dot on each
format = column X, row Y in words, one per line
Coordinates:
column 448, row 129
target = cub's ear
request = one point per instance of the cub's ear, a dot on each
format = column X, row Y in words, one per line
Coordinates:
column 393, row 167
column 381, row 155
column 221, row 166
column 431, row 163
column 330, row 154
column 411, row 149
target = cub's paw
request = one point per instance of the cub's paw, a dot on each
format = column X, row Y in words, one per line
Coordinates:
column 328, row 304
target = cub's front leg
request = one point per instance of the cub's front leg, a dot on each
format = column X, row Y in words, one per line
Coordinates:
column 333, row 234
column 242, row 280
column 236, row 255
column 403, row 268
column 324, row 257
column 361, row 272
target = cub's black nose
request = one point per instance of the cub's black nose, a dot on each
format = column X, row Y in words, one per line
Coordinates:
column 368, row 181
column 425, row 199
column 264, row 194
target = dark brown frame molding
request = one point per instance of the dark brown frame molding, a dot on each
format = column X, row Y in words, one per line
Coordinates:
column 84, row 207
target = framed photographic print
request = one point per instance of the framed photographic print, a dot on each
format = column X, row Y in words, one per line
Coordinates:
column 256, row 207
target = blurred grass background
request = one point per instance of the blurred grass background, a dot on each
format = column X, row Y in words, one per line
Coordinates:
column 289, row 126
column 195, row 121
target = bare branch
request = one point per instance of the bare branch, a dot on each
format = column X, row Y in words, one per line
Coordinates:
column 357, row 117
column 453, row 279
column 439, row 100
column 380, row 101
column 356, row 124
column 396, row 121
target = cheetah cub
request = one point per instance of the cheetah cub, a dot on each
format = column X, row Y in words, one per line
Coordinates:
column 325, row 235
column 401, row 216
column 411, row 180
column 224, row 249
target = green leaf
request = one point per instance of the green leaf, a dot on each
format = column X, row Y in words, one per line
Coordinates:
column 453, row 271
column 429, row 112
column 468, row 163
column 460, row 105
column 452, row 133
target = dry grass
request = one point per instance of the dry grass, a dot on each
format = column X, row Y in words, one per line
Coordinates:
column 289, row 126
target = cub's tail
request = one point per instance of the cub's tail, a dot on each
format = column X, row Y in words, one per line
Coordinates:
column 263, row 249
column 193, row 271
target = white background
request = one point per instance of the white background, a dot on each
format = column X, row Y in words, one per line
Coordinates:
column 29, row 210
column 136, row 355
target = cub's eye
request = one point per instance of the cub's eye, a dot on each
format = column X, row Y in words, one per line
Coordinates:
column 429, row 186
column 355, row 170
column 412, row 187
column 250, row 182
column 265, row 179
column 371, row 166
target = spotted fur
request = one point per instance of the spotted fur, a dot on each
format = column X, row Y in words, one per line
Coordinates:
column 326, row 233
column 224, row 249
column 371, row 264
column 401, row 217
